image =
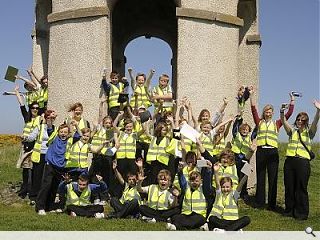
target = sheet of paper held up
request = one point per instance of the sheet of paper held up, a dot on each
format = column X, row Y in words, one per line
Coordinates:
column 189, row 132
column 247, row 169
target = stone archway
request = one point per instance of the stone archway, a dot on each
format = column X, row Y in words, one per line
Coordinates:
column 134, row 18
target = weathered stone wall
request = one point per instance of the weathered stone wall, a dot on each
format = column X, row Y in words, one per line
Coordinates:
column 79, row 50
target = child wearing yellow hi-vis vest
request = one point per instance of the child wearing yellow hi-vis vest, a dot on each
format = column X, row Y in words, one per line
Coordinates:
column 225, row 214
column 128, row 204
column 194, row 205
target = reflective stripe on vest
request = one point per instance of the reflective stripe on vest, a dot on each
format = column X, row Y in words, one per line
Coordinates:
column 29, row 126
column 142, row 137
column 158, row 152
column 36, row 152
column 74, row 199
column 241, row 145
column 78, row 156
column 81, row 125
column 218, row 148
column 225, row 207
column 142, row 97
column 114, row 95
column 194, row 201
column 229, row 171
column 130, row 194
column 43, row 97
column 295, row 148
column 207, row 143
column 127, row 147
column 158, row 202
column 100, row 137
column 160, row 92
column 267, row 134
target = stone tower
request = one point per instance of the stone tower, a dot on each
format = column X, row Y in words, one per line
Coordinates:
column 215, row 45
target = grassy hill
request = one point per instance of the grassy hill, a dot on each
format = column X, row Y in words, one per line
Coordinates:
column 17, row 215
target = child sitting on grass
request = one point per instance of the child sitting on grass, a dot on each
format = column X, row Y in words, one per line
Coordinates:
column 162, row 201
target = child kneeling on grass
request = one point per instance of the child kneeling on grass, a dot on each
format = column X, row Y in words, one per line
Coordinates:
column 224, row 214
column 162, row 201
column 130, row 200
column 78, row 196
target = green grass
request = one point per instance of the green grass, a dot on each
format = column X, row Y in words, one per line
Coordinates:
column 20, row 216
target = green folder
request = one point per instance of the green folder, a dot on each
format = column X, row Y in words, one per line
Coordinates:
column 11, row 73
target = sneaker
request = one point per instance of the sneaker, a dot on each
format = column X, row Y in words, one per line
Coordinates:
column 73, row 214
column 32, row 203
column 218, row 230
column 99, row 215
column 102, row 203
column 171, row 227
column 204, row 227
column 59, row 210
column 153, row 220
column 145, row 218
column 96, row 201
column 42, row 212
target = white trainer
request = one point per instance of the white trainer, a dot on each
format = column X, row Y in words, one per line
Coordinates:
column 73, row 214
column 102, row 203
column 99, row 215
column 171, row 227
column 42, row 212
column 152, row 220
column 204, row 227
column 218, row 230
column 96, row 201
column 59, row 210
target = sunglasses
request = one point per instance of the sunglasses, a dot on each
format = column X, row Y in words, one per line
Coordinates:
column 35, row 108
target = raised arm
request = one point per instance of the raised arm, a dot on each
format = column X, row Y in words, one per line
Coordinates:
column 149, row 77
column 284, row 121
column 216, row 168
column 132, row 80
column 31, row 83
column 117, row 173
column 241, row 183
column 313, row 127
column 19, row 98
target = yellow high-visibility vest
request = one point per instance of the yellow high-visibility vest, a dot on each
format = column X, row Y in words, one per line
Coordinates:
column 267, row 134
column 158, row 152
column 241, row 145
column 207, row 143
column 127, row 147
column 295, row 148
column 36, row 152
column 228, row 171
column 43, row 97
column 78, row 156
column 142, row 97
column 225, row 207
column 32, row 96
column 130, row 194
column 218, row 148
column 158, row 202
column 81, row 125
column 141, row 137
column 74, row 199
column 194, row 201
column 161, row 92
column 114, row 95
column 29, row 126
column 100, row 137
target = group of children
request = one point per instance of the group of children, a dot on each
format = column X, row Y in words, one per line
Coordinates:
column 143, row 167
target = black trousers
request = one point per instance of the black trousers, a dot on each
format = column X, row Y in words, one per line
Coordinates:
column 51, row 178
column 267, row 159
column 239, row 165
column 296, row 178
column 37, row 174
column 159, row 215
column 186, row 222
column 113, row 112
column 155, row 168
column 101, row 165
column 85, row 211
column 228, row 225
column 26, row 182
column 126, row 165
column 125, row 209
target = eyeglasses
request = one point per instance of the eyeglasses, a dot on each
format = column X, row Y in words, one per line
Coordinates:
column 35, row 108
column 301, row 120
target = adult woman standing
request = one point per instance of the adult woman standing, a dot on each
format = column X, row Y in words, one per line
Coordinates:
column 297, row 163
column 267, row 156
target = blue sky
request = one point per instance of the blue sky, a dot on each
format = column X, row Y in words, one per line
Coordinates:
column 289, row 54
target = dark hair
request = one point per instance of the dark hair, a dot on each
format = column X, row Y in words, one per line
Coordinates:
column 141, row 74
column 229, row 154
column 302, row 114
column 191, row 155
column 158, row 129
column 63, row 125
column 223, row 180
column 84, row 177
column 114, row 74
column 74, row 106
